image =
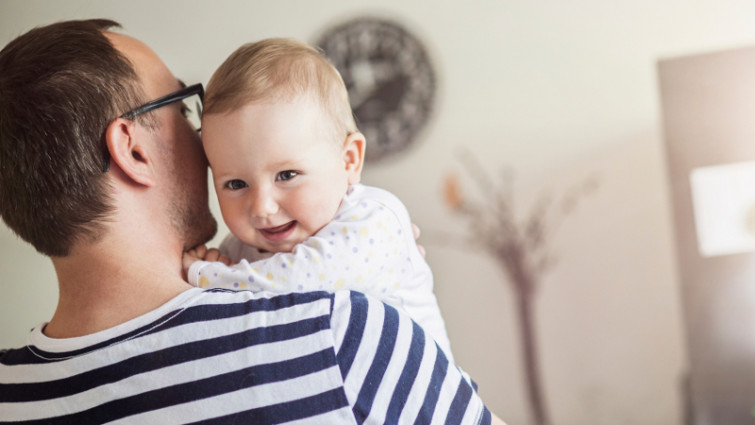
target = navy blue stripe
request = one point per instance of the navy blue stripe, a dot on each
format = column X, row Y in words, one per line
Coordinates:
column 408, row 375
column 375, row 374
column 284, row 412
column 425, row 415
column 200, row 389
column 486, row 417
column 159, row 359
column 354, row 332
column 197, row 313
column 459, row 403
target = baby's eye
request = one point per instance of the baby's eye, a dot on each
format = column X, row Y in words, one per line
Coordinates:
column 286, row 175
column 235, row 184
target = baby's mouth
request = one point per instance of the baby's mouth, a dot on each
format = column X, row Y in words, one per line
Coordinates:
column 278, row 233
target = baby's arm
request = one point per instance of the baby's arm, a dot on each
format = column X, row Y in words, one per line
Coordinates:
column 272, row 274
column 360, row 249
column 202, row 253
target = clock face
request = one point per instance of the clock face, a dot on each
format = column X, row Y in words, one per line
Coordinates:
column 390, row 80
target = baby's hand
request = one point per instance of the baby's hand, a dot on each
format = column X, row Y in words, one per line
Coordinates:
column 415, row 231
column 199, row 253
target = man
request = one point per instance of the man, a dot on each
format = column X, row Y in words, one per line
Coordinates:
column 112, row 186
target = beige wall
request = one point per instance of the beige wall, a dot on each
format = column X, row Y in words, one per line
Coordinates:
column 555, row 91
column 708, row 102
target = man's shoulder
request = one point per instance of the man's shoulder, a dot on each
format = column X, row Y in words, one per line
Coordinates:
column 10, row 356
column 340, row 306
column 215, row 310
column 257, row 301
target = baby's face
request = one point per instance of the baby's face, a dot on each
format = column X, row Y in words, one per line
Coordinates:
column 278, row 173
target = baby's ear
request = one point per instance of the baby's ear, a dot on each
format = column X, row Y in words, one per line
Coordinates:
column 353, row 156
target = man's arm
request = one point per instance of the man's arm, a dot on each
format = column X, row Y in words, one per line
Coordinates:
column 393, row 372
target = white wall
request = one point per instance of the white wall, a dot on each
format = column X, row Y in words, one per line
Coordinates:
column 557, row 92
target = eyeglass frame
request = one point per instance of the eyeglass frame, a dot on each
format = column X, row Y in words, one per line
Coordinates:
column 169, row 98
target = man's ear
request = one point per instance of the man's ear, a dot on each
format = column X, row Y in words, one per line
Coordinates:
column 353, row 156
column 127, row 151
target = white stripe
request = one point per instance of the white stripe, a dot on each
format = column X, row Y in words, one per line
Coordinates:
column 365, row 354
column 342, row 416
column 341, row 309
column 190, row 332
column 172, row 375
column 473, row 414
column 419, row 389
column 242, row 400
column 393, row 371
column 447, row 393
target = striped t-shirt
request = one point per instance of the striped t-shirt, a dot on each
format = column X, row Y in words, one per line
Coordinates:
column 219, row 356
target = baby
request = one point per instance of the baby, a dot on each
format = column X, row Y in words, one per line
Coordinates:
column 286, row 159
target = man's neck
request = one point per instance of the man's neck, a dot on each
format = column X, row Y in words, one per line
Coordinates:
column 99, row 291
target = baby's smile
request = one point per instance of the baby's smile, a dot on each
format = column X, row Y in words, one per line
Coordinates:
column 279, row 233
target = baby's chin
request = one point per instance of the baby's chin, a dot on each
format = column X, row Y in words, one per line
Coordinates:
column 274, row 249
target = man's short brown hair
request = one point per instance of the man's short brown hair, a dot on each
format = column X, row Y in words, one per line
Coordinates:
column 60, row 87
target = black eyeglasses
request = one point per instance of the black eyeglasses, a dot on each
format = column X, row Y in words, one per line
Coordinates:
column 192, row 98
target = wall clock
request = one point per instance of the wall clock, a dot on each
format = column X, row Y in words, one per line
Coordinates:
column 390, row 80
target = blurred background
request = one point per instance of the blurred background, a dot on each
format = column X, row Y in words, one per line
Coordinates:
column 543, row 101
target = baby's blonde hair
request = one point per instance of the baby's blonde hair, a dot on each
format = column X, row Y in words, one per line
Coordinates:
column 279, row 69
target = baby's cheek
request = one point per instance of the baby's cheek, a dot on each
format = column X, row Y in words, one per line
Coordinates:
column 315, row 212
column 242, row 230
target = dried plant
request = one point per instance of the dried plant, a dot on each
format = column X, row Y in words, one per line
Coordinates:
column 519, row 246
